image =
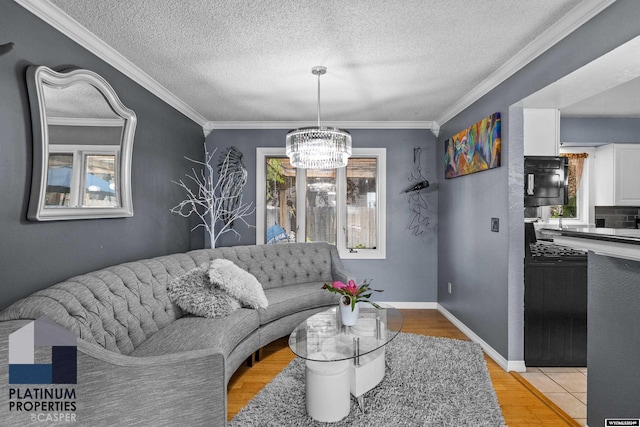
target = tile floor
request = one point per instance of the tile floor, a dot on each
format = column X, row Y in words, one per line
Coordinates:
column 566, row 387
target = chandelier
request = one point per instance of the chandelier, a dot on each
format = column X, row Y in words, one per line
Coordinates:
column 318, row 147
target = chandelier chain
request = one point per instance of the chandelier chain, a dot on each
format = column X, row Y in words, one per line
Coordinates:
column 319, row 74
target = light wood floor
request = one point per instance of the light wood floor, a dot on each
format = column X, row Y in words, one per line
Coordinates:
column 521, row 404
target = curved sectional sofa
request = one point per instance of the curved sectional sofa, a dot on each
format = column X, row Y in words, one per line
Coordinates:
column 141, row 360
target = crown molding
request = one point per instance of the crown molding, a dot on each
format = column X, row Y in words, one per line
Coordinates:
column 68, row 26
column 215, row 125
column 577, row 17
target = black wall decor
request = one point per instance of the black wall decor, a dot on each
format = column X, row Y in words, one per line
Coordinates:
column 417, row 201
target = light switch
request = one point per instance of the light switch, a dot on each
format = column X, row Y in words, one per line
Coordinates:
column 495, row 224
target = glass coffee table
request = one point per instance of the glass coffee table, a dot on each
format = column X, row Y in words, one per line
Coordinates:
column 343, row 360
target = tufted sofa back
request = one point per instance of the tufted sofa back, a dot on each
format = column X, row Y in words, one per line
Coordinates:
column 121, row 306
column 278, row 265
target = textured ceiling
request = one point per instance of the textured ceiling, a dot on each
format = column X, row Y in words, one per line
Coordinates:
column 250, row 61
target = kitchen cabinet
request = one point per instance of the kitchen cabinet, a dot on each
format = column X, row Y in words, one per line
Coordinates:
column 555, row 313
column 617, row 174
column 541, row 131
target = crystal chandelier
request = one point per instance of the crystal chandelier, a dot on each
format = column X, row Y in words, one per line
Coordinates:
column 318, row 147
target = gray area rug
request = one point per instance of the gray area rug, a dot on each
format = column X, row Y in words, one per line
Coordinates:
column 431, row 382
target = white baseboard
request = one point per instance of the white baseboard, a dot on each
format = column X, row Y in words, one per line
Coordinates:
column 516, row 366
column 413, row 305
column 507, row 365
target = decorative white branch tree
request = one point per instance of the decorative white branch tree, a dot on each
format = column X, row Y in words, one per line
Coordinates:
column 218, row 204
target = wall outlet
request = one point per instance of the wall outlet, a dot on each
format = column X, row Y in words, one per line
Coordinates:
column 495, row 225
column 449, row 286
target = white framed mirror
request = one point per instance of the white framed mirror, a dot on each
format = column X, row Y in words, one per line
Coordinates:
column 82, row 147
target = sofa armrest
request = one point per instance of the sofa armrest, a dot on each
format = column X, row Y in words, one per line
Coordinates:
column 337, row 269
column 176, row 389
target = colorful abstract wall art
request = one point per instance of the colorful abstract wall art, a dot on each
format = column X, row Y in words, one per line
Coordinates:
column 474, row 149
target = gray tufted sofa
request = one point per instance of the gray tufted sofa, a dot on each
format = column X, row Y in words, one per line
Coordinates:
column 141, row 360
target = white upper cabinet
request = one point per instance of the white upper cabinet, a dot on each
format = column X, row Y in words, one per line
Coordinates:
column 617, row 175
column 541, row 131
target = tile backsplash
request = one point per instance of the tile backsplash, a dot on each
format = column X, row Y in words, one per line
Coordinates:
column 617, row 216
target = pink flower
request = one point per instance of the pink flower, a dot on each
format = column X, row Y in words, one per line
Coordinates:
column 338, row 285
column 358, row 293
column 352, row 288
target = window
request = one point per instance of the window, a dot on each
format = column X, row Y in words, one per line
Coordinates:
column 345, row 207
column 577, row 208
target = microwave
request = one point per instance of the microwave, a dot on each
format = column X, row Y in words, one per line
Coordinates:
column 546, row 180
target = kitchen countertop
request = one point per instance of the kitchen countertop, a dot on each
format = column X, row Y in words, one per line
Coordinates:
column 619, row 235
column 618, row 242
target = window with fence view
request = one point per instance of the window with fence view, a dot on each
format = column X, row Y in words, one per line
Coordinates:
column 339, row 206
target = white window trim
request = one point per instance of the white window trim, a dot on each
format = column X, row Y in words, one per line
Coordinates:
column 261, row 154
column 381, row 205
column 381, row 186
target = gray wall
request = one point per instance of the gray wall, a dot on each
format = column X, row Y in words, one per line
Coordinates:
column 613, row 347
column 486, row 268
column 36, row 255
column 409, row 272
column 598, row 130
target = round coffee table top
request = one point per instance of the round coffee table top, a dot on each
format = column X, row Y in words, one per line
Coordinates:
column 323, row 337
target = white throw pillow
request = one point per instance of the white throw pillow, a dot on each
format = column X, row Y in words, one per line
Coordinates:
column 238, row 283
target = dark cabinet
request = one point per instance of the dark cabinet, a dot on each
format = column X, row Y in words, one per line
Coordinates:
column 555, row 313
